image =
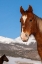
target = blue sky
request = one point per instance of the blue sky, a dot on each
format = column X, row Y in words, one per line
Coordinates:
column 10, row 15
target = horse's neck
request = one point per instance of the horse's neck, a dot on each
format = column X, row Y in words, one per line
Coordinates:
column 38, row 36
column 39, row 22
column 1, row 60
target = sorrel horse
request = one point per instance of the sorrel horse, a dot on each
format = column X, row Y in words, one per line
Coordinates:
column 31, row 24
column 3, row 58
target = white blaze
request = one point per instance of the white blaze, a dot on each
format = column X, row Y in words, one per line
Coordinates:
column 23, row 35
column 24, row 18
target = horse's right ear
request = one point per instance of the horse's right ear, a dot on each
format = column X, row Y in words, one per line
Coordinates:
column 4, row 55
column 21, row 10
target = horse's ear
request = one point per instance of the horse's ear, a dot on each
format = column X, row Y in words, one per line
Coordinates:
column 4, row 55
column 21, row 10
column 30, row 9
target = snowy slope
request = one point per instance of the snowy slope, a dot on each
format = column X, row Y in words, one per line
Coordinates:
column 13, row 60
column 17, row 40
column 6, row 40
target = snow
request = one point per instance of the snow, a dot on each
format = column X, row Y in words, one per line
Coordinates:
column 31, row 40
column 17, row 40
column 6, row 40
column 19, row 60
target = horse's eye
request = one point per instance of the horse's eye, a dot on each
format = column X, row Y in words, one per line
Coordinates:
column 20, row 21
column 30, row 20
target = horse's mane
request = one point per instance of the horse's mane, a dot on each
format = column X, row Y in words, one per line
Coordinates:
column 39, row 22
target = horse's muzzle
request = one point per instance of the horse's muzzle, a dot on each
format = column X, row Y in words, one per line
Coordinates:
column 7, row 60
column 24, row 37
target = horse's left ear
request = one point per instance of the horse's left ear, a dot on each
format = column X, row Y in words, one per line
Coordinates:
column 30, row 9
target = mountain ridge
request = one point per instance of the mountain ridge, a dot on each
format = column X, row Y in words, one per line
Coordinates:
column 17, row 40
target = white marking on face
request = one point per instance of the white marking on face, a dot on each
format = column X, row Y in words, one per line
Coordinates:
column 24, row 18
column 23, row 35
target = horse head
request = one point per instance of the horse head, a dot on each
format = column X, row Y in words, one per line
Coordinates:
column 5, row 58
column 28, row 23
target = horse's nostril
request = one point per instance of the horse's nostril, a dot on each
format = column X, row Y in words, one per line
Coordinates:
column 8, row 60
column 26, row 35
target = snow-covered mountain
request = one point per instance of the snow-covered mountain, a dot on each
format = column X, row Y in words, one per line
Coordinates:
column 18, row 48
column 6, row 40
column 17, row 40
